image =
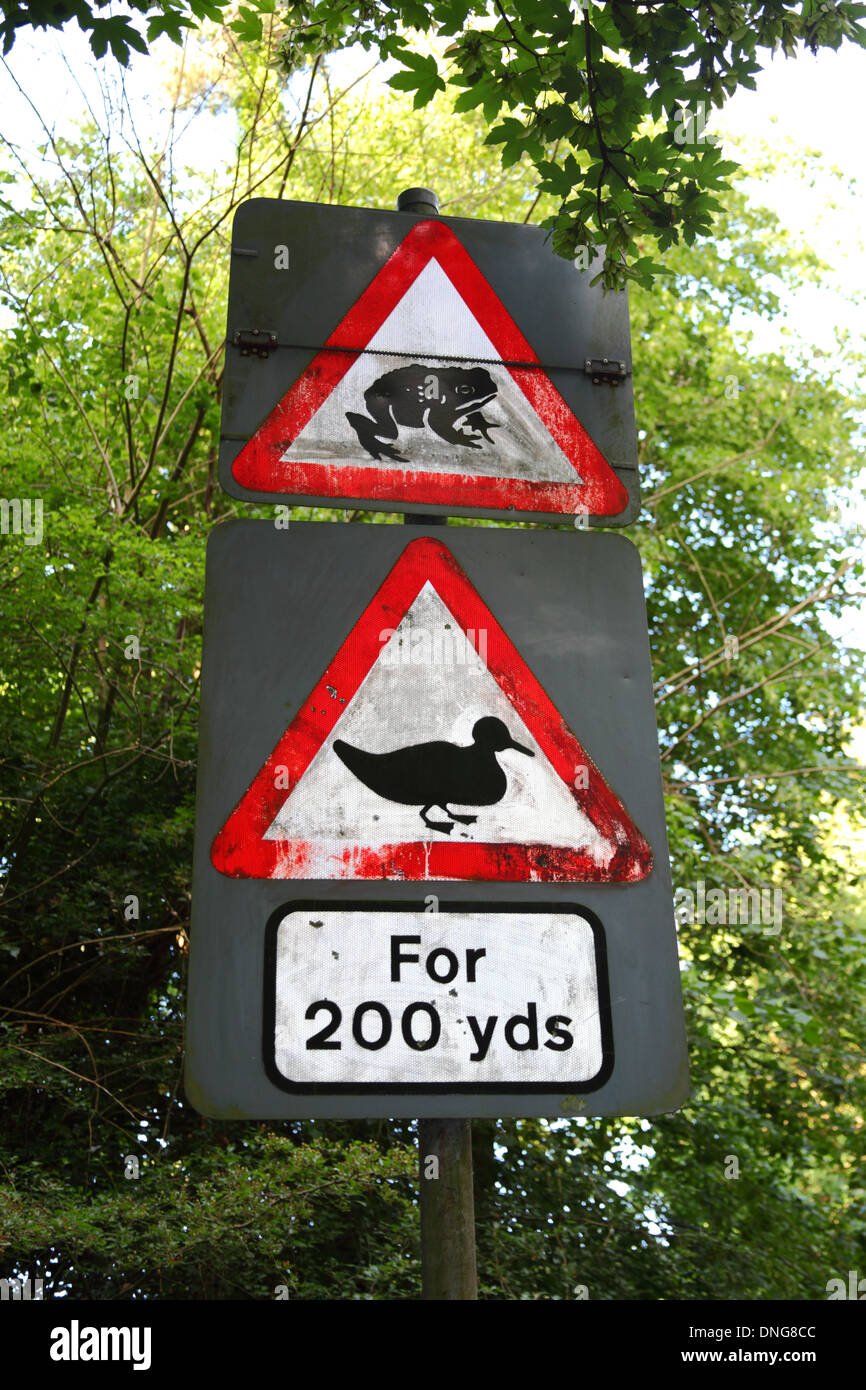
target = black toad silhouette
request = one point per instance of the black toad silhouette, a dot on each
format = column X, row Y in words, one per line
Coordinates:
column 432, row 774
column 449, row 400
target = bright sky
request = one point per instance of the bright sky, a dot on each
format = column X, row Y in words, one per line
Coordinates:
column 813, row 102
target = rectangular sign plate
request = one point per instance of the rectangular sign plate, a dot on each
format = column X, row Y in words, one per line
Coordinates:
column 468, row 998
column 444, row 733
column 395, row 362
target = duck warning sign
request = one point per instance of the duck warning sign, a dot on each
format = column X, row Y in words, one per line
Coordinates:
column 442, row 363
column 429, row 750
column 431, row 872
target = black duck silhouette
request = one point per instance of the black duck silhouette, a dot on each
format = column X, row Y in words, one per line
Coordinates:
column 432, row 774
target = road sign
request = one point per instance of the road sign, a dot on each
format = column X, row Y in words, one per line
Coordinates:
column 399, row 362
column 427, row 707
column 354, row 996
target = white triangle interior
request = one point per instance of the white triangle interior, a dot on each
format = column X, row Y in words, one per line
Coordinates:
column 421, row 331
column 438, row 693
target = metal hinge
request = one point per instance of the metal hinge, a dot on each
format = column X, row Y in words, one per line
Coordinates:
column 258, row 341
column 605, row 371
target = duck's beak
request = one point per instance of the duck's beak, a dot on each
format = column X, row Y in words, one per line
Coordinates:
column 520, row 748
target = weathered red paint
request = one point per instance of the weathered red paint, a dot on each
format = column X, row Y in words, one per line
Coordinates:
column 259, row 466
column 241, row 851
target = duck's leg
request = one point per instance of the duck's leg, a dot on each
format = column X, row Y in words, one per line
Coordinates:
column 464, row 820
column 447, row 826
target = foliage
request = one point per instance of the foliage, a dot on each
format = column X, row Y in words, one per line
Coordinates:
column 607, row 101
column 263, row 1217
column 113, row 283
column 109, row 31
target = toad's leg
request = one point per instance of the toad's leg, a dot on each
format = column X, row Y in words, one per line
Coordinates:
column 368, row 432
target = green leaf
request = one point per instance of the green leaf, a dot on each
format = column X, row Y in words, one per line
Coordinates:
column 404, row 81
column 248, row 25
column 467, row 101
column 427, row 90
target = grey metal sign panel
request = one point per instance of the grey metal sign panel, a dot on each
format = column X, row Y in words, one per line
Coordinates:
column 396, row 362
column 547, row 990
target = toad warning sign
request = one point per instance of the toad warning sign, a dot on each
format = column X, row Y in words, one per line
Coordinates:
column 428, row 750
column 429, row 379
column 424, row 390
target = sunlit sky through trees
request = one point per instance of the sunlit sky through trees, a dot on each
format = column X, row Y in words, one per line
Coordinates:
column 808, row 105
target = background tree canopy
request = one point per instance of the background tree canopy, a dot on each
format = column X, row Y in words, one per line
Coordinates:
column 113, row 286
column 607, row 100
column 110, row 31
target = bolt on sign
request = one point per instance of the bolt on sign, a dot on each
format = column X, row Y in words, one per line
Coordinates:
column 431, row 869
column 393, row 361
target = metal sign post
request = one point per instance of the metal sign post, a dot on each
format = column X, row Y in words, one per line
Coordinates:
column 446, row 1200
column 448, row 1266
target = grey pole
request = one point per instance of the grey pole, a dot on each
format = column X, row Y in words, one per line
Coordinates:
column 444, row 1146
column 448, row 1269
column 418, row 200
column 422, row 200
